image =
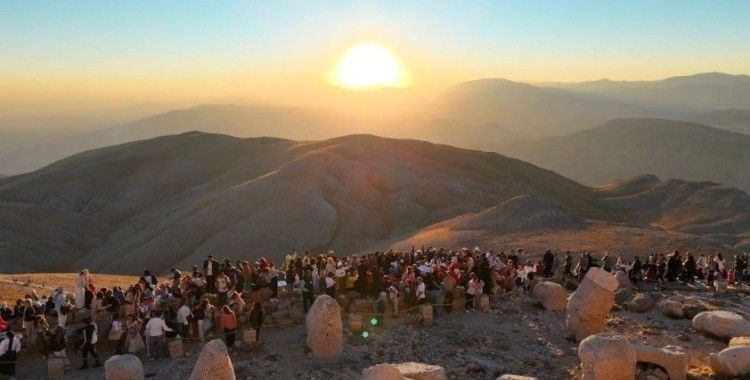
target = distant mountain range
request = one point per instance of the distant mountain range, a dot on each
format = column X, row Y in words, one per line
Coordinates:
column 171, row 200
column 481, row 114
column 628, row 147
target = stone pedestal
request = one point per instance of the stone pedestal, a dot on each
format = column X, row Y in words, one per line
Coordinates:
column 176, row 348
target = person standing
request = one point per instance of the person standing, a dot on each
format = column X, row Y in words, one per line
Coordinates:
column 210, row 268
column 229, row 325
column 221, row 286
column 308, row 289
column 89, row 335
column 183, row 319
column 155, row 330
column 256, row 318
column 9, row 349
column 82, row 283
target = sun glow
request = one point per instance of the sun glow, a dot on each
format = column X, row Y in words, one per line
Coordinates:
column 369, row 65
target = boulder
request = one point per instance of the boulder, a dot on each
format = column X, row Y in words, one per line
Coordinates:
column 740, row 341
column 590, row 303
column 249, row 336
column 325, row 336
column 213, row 362
column 482, row 303
column 720, row 286
column 425, row 313
column 607, row 357
column 55, row 368
column 732, row 361
column 176, row 348
column 623, row 281
column 721, row 324
column 623, row 295
column 640, row 303
column 673, row 359
column 355, row 323
column 421, row 371
column 670, row 308
column 553, row 295
column 382, row 372
column 123, row 367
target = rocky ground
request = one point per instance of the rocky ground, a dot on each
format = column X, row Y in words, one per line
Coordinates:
column 517, row 336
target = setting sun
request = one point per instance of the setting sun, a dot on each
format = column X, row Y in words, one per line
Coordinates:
column 370, row 65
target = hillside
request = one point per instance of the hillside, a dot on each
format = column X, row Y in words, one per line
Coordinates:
column 172, row 200
column 736, row 120
column 628, row 147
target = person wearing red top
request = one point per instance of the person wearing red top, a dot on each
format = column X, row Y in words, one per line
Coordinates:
column 229, row 324
column 539, row 268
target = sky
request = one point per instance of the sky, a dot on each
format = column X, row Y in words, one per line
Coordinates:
column 70, row 55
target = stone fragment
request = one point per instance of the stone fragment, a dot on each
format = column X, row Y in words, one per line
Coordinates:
column 55, row 368
column 325, row 336
column 213, row 362
column 421, row 371
column 671, row 358
column 607, row 357
column 733, row 361
column 640, row 303
column 553, row 295
column 123, row 367
column 382, row 372
column 590, row 303
column 176, row 348
column 721, row 324
column 740, row 341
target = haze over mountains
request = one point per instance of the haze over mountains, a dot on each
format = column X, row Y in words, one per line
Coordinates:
column 175, row 199
column 482, row 114
column 628, row 147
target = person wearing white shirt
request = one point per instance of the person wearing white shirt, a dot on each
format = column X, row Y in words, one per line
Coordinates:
column 182, row 320
column 9, row 349
column 420, row 291
column 155, row 329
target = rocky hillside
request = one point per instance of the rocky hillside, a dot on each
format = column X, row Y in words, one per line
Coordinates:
column 172, row 200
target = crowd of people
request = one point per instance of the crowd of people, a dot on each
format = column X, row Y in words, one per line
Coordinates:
column 210, row 297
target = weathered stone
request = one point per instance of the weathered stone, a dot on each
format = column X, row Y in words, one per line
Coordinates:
column 425, row 313
column 590, row 303
column 249, row 336
column 355, row 322
column 325, row 336
column 176, row 348
column 623, row 282
column 458, row 305
column 607, row 357
column 740, row 341
column 421, row 371
column 213, row 362
column 482, row 303
column 123, row 367
column 720, row 286
column 721, row 324
column 623, row 295
column 515, row 377
column 55, row 368
column 553, row 295
column 382, row 372
column 732, row 361
column 673, row 359
column 640, row 303
column 670, row 308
